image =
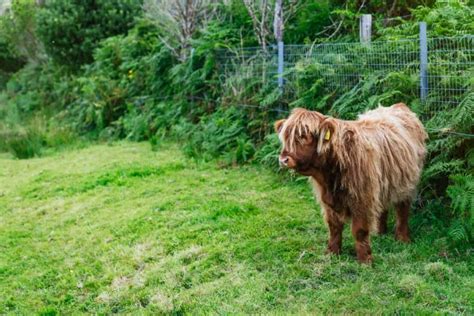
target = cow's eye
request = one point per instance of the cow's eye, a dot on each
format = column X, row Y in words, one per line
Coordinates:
column 305, row 139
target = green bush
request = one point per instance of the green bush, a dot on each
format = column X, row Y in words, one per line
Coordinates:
column 24, row 144
column 124, row 83
column 219, row 135
column 461, row 193
column 443, row 19
column 311, row 18
column 18, row 39
column 448, row 173
column 25, row 141
column 32, row 140
column 269, row 152
column 31, row 112
column 9, row 60
column 71, row 30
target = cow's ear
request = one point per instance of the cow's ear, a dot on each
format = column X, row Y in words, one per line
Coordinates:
column 327, row 134
column 278, row 125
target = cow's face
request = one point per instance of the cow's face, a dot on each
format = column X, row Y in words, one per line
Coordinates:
column 300, row 154
column 302, row 142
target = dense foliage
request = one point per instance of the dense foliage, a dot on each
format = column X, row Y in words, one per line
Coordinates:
column 9, row 61
column 18, row 28
column 71, row 30
column 132, row 86
column 18, row 43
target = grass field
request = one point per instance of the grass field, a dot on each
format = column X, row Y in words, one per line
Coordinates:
column 122, row 229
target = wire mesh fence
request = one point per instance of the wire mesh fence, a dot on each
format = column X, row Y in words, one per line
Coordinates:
column 339, row 67
column 451, row 71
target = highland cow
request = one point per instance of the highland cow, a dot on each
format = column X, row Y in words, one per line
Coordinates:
column 358, row 169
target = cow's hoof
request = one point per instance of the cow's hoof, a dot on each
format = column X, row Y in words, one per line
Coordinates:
column 365, row 259
column 333, row 250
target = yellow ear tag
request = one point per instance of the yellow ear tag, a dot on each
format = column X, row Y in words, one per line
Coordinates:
column 327, row 136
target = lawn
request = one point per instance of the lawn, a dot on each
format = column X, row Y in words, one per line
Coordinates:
column 123, row 229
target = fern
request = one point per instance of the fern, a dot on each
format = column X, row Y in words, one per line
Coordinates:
column 457, row 231
column 443, row 168
column 461, row 193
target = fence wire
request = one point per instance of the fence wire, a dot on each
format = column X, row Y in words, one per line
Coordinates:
column 450, row 71
column 342, row 66
column 339, row 67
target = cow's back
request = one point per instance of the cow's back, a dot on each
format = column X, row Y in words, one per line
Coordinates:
column 397, row 138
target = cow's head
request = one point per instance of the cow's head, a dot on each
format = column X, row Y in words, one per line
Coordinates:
column 306, row 137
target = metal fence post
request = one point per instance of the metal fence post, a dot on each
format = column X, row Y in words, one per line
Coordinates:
column 280, row 64
column 423, row 62
column 365, row 28
column 278, row 32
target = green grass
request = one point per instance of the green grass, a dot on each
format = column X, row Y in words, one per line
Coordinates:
column 120, row 228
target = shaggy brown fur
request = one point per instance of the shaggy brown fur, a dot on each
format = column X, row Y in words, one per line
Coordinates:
column 357, row 168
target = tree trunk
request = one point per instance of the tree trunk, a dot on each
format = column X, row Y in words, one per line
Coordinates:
column 278, row 21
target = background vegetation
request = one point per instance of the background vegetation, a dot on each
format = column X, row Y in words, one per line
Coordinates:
column 76, row 71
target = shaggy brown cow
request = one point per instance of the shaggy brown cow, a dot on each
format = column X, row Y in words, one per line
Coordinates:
column 357, row 168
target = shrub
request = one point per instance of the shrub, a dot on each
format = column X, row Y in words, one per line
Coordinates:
column 128, row 76
column 28, row 123
column 221, row 134
column 71, row 30
column 448, row 172
column 9, row 59
column 18, row 31
column 461, row 193
column 311, row 18
column 24, row 144
column 268, row 153
column 443, row 19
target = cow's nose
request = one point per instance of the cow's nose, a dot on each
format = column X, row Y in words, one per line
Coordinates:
column 283, row 161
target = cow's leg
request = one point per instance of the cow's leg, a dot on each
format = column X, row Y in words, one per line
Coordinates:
column 401, row 230
column 383, row 222
column 361, row 233
column 336, row 227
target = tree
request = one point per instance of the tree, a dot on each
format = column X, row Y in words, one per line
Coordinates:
column 260, row 13
column 278, row 21
column 179, row 20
